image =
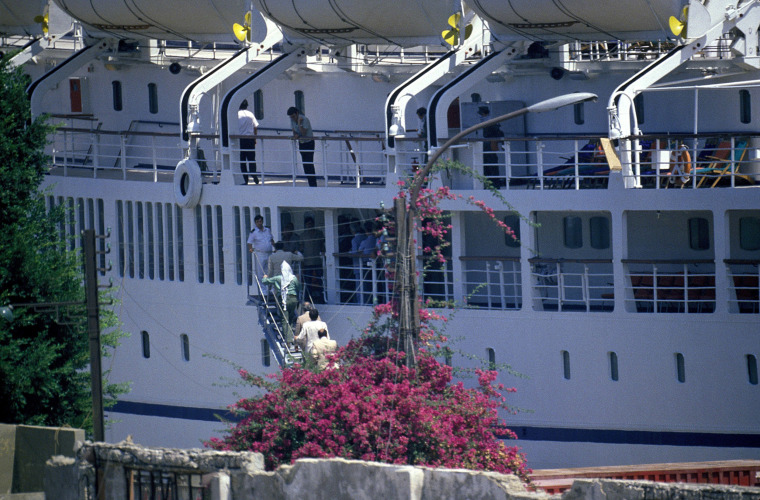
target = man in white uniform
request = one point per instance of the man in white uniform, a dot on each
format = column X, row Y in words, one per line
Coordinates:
column 260, row 244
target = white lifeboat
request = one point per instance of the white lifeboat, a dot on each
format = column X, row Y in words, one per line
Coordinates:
column 402, row 22
column 578, row 19
column 197, row 20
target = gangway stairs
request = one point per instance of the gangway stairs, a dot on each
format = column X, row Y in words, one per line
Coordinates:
column 271, row 325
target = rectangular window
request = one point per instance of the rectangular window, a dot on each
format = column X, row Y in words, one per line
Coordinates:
column 573, row 232
column 117, row 98
column 745, row 106
column 578, row 113
column 699, row 234
column 121, row 237
column 170, row 240
column 151, row 253
column 199, row 242
column 220, row 244
column 266, row 357
column 258, row 104
column 749, row 233
column 140, row 241
column 239, row 247
column 160, row 240
column 180, row 243
column 130, row 241
column 599, row 228
column 613, row 366
column 209, row 243
column 300, row 101
column 513, row 223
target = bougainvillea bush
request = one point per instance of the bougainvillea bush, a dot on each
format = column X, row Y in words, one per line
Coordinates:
column 371, row 407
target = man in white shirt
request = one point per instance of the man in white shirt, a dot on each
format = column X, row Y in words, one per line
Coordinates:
column 248, row 126
column 310, row 331
column 260, row 244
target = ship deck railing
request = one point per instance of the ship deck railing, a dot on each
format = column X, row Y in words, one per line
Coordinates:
column 744, row 285
column 670, row 286
column 685, row 286
column 572, row 284
column 360, row 159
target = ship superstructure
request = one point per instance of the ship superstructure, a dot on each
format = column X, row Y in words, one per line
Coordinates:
column 630, row 303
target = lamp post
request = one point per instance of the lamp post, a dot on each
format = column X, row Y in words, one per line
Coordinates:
column 406, row 272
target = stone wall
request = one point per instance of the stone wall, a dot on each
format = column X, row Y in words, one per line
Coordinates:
column 238, row 476
column 24, row 449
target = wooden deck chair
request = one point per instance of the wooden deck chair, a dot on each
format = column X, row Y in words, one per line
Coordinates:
column 722, row 164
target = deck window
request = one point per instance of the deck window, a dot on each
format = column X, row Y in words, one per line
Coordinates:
column 752, row 369
column 117, row 95
column 573, row 232
column 680, row 368
column 745, row 106
column 599, row 227
column 749, row 233
column 699, row 234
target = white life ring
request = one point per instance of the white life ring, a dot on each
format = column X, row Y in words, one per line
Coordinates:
column 680, row 165
column 187, row 183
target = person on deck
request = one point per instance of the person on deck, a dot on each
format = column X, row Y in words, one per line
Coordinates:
column 279, row 256
column 260, row 245
column 286, row 287
column 247, row 126
column 305, row 135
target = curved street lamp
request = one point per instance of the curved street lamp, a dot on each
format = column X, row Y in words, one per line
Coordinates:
column 406, row 272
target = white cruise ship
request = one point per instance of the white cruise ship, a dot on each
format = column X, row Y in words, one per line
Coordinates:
column 631, row 305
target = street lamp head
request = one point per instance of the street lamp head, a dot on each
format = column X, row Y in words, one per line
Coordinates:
column 7, row 313
column 561, row 101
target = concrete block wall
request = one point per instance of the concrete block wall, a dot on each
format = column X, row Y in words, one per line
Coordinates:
column 24, row 449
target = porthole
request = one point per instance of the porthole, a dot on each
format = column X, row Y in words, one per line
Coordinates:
column 145, row 344
column 614, row 366
column 566, row 365
column 185, row 347
column 752, row 369
column 680, row 368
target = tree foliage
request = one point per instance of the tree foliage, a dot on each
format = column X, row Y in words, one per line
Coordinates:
column 44, row 356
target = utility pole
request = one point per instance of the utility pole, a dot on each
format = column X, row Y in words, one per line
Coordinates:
column 93, row 334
